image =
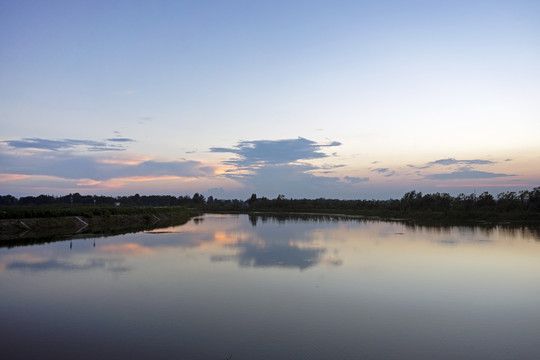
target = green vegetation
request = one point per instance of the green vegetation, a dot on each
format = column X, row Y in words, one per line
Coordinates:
column 43, row 211
column 508, row 206
column 29, row 225
column 76, row 202
column 514, row 206
column 46, row 218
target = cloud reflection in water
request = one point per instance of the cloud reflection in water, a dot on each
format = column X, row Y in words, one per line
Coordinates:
column 113, row 265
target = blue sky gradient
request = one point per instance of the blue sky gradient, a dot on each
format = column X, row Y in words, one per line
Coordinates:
column 341, row 99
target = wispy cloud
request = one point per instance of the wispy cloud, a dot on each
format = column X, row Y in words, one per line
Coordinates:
column 73, row 159
column 355, row 179
column 12, row 177
column 64, row 144
column 384, row 171
column 452, row 161
column 160, row 168
column 120, row 139
column 455, row 169
column 466, row 174
column 54, row 264
column 69, row 166
column 145, row 120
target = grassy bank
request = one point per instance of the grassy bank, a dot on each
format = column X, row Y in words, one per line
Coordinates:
column 38, row 225
column 19, row 212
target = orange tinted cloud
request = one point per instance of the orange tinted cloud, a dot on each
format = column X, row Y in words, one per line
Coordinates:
column 121, row 182
column 88, row 182
column 153, row 178
column 12, row 177
column 128, row 248
column 223, row 238
column 24, row 257
column 125, row 161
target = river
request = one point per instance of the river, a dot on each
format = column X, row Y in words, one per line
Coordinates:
column 261, row 287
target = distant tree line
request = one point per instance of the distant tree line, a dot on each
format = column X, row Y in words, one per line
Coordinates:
column 77, row 199
column 521, row 205
column 513, row 205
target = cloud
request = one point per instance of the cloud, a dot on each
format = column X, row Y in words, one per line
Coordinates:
column 329, row 166
column 64, row 144
column 267, row 167
column 293, row 179
column 176, row 168
column 278, row 256
column 120, row 139
column 53, row 264
column 271, row 167
column 465, row 174
column 274, row 152
column 68, row 166
column 12, row 177
column 106, row 148
column 452, row 161
column 61, row 161
column 386, row 171
column 355, row 180
column 462, row 169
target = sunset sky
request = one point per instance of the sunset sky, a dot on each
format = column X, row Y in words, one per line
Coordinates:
column 335, row 99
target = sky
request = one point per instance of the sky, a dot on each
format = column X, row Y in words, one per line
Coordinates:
column 306, row 99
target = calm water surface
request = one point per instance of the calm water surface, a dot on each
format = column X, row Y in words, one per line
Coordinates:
column 259, row 288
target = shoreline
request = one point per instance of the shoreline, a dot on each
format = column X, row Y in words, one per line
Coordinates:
column 83, row 223
column 48, row 229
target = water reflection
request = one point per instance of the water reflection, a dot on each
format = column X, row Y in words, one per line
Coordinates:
column 114, row 265
column 530, row 230
column 263, row 287
column 261, row 246
column 268, row 242
column 278, row 255
column 291, row 218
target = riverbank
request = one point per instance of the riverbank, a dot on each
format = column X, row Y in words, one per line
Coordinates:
column 88, row 223
column 32, row 225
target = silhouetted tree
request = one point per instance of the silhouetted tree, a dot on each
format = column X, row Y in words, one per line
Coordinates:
column 198, row 199
column 485, row 200
column 252, row 199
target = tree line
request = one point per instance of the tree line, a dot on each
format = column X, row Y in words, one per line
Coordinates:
column 513, row 205
column 524, row 204
column 77, row 199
